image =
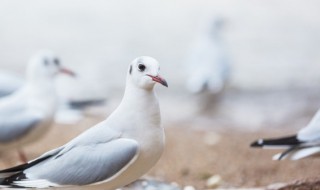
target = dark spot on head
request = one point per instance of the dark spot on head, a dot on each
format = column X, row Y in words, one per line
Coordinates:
column 56, row 61
column 130, row 70
column 45, row 62
column 141, row 67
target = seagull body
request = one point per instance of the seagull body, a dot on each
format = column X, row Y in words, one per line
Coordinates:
column 75, row 95
column 114, row 152
column 9, row 83
column 208, row 67
column 26, row 114
column 303, row 144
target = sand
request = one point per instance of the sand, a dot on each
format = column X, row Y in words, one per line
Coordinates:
column 192, row 155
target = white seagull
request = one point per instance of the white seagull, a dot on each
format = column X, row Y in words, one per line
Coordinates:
column 208, row 69
column 74, row 94
column 303, row 144
column 26, row 114
column 115, row 152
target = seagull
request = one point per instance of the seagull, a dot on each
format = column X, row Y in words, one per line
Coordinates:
column 208, row 67
column 79, row 95
column 9, row 83
column 27, row 114
column 115, row 152
column 74, row 97
column 303, row 144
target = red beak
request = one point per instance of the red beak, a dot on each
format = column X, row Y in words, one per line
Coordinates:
column 159, row 79
column 67, row 71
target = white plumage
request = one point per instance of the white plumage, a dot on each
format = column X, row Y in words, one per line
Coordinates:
column 112, row 153
column 303, row 144
column 27, row 114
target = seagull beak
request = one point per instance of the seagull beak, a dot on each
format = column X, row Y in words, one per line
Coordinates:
column 159, row 79
column 67, row 71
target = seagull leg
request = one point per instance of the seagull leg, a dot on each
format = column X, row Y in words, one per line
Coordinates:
column 22, row 156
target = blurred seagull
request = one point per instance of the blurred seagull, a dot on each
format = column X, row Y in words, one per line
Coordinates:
column 85, row 94
column 115, row 152
column 208, row 67
column 75, row 95
column 303, row 144
column 26, row 114
column 9, row 83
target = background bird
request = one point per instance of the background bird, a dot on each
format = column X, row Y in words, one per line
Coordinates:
column 27, row 114
column 116, row 151
column 208, row 66
column 303, row 144
column 80, row 96
column 75, row 94
column 9, row 83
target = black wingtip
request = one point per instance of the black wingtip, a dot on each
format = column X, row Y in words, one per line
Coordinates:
column 284, row 141
column 85, row 103
column 257, row 144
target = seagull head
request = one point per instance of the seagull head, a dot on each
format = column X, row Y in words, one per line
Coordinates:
column 144, row 72
column 46, row 64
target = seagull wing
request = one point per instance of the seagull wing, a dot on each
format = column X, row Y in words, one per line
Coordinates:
column 282, row 142
column 312, row 131
column 308, row 136
column 78, row 163
column 9, row 83
column 15, row 125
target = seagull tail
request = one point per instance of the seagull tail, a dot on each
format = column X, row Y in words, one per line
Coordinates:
column 9, row 176
column 9, row 182
column 11, row 171
column 285, row 154
column 277, row 143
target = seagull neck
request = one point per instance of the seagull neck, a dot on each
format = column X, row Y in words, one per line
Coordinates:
column 133, row 93
column 215, row 36
column 43, row 87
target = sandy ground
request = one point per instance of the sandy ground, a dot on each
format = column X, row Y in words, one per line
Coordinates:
column 193, row 155
column 190, row 160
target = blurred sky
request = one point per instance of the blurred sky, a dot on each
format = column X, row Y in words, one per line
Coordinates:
column 272, row 44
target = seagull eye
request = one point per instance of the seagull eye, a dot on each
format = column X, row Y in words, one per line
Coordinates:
column 141, row 67
column 56, row 62
column 45, row 62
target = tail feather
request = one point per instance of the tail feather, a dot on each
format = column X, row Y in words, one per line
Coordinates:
column 285, row 154
column 21, row 167
column 302, row 153
column 9, row 181
column 284, row 141
column 295, row 148
column 9, row 177
column 297, row 153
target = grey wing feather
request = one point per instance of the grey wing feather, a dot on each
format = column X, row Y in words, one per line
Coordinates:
column 12, row 105
column 5, row 92
column 9, row 83
column 85, row 165
column 95, row 135
column 16, row 125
